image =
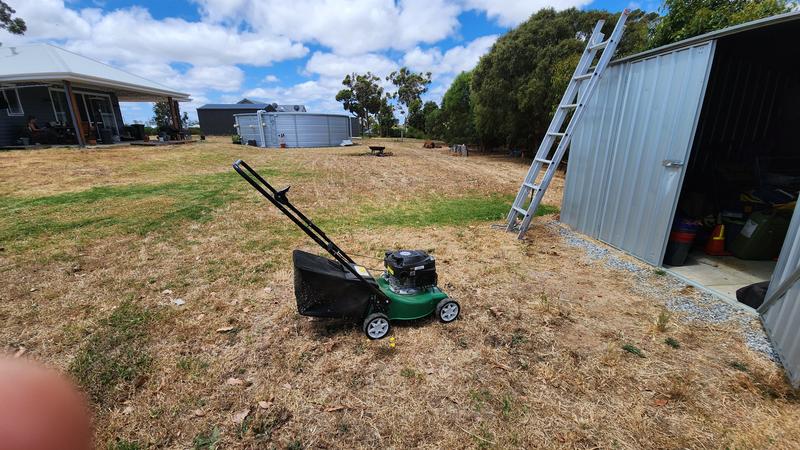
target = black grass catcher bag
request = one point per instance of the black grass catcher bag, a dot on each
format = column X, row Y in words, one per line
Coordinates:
column 323, row 288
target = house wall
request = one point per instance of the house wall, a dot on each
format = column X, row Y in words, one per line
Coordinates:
column 35, row 102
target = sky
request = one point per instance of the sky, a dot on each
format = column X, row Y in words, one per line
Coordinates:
column 283, row 51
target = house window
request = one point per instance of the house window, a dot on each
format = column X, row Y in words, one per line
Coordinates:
column 60, row 106
column 14, row 105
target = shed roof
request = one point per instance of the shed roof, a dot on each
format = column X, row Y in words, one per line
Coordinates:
column 736, row 29
column 253, row 106
column 37, row 63
column 235, row 106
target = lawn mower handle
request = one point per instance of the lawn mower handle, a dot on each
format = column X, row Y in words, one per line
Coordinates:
column 281, row 201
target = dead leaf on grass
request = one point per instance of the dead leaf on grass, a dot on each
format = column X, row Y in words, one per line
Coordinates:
column 660, row 402
column 234, row 381
column 199, row 413
column 334, row 408
column 264, row 404
column 239, row 417
column 225, row 329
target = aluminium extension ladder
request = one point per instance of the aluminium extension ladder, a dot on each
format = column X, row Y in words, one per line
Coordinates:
column 572, row 100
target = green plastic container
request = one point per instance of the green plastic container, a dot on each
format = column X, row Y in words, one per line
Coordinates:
column 761, row 236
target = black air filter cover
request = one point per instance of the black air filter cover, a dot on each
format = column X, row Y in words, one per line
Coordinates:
column 410, row 269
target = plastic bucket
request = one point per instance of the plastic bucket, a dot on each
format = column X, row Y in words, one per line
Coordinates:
column 680, row 242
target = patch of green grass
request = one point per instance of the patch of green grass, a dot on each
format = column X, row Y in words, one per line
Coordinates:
column 479, row 398
column 134, row 208
column 295, row 445
column 115, row 358
column 632, row 349
column 192, row 365
column 672, row 342
column 207, row 440
column 122, row 444
column 507, row 406
column 662, row 321
column 740, row 366
column 430, row 211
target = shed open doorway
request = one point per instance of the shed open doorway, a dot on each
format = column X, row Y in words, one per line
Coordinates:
column 744, row 169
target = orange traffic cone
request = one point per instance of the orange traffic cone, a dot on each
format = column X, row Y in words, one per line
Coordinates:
column 716, row 243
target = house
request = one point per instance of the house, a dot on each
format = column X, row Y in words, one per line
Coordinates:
column 76, row 97
column 701, row 131
column 217, row 119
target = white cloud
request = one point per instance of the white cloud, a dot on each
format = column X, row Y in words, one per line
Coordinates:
column 509, row 13
column 346, row 27
column 337, row 66
column 270, row 79
column 455, row 60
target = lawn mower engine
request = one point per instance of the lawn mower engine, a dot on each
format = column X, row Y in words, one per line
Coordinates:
column 409, row 271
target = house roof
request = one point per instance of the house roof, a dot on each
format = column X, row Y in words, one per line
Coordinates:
column 736, row 29
column 37, row 63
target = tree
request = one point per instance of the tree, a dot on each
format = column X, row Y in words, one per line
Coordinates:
column 162, row 115
column 416, row 118
column 13, row 25
column 432, row 117
column 362, row 97
column 457, row 112
column 386, row 118
column 517, row 85
column 410, row 87
column 687, row 18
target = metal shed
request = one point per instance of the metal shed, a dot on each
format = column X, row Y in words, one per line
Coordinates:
column 687, row 108
column 217, row 119
column 293, row 129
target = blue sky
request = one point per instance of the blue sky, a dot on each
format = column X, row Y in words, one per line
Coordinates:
column 281, row 51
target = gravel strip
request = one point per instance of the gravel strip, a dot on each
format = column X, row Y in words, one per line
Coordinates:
column 702, row 307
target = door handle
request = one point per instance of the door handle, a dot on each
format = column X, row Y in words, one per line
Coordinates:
column 671, row 163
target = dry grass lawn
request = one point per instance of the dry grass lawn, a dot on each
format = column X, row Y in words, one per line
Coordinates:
column 96, row 246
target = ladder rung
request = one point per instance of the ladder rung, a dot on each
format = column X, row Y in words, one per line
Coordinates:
column 531, row 186
column 585, row 76
column 556, row 134
column 542, row 160
column 520, row 210
column 570, row 105
column 599, row 45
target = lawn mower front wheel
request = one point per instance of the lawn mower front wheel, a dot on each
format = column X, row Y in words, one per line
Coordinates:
column 447, row 310
column 377, row 326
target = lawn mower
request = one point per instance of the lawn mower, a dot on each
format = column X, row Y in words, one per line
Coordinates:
column 340, row 288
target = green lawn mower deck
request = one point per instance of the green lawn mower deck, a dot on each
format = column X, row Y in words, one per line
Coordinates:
column 340, row 288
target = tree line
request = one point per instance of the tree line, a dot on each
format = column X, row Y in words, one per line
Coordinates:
column 508, row 99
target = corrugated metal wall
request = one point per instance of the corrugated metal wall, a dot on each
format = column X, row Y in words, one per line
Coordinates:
column 248, row 128
column 298, row 129
column 644, row 113
column 782, row 317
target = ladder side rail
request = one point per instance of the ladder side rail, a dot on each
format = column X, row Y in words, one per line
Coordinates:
column 605, row 58
column 557, row 122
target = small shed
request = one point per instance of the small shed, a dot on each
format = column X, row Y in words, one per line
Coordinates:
column 702, row 133
column 271, row 129
column 217, row 119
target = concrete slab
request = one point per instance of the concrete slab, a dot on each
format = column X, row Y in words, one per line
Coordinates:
column 723, row 274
